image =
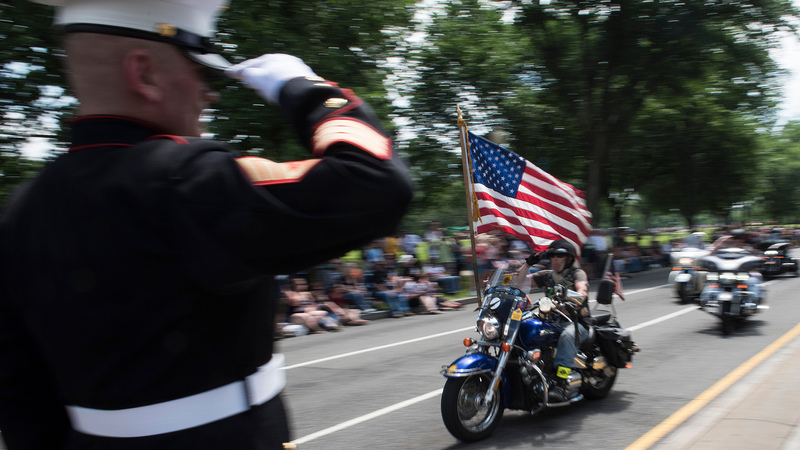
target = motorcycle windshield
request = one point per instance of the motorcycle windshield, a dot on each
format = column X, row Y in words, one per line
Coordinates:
column 507, row 276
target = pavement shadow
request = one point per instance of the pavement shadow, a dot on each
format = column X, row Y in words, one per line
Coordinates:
column 751, row 326
column 553, row 428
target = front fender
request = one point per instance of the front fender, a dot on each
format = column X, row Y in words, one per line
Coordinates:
column 471, row 364
column 478, row 363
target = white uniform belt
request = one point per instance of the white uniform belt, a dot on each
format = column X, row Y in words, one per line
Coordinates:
column 186, row 412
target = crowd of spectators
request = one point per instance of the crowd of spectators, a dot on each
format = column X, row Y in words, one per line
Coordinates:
column 403, row 274
column 409, row 274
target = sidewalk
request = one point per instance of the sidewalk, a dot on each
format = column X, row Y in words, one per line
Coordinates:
column 759, row 411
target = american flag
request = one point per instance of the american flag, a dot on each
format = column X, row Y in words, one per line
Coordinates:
column 518, row 198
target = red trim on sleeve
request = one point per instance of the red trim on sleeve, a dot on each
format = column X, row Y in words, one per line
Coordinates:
column 262, row 172
column 84, row 147
column 353, row 132
column 176, row 139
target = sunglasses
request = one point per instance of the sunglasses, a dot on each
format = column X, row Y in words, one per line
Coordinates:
column 558, row 255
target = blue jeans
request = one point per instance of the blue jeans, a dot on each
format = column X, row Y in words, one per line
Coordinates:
column 397, row 303
column 565, row 354
column 356, row 298
column 450, row 285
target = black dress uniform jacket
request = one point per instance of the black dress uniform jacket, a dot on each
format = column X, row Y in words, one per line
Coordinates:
column 138, row 267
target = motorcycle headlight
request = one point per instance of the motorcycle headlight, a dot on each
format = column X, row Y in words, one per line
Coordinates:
column 727, row 277
column 742, row 276
column 770, row 253
column 686, row 261
column 489, row 328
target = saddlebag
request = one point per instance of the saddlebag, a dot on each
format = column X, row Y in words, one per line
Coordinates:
column 616, row 345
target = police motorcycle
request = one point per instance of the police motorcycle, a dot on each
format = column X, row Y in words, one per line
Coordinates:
column 733, row 288
column 511, row 364
column 687, row 277
column 777, row 261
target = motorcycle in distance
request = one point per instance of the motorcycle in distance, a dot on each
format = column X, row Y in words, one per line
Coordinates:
column 511, row 364
column 687, row 278
column 777, row 261
column 733, row 288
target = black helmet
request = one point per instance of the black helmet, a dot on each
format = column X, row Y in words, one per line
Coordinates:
column 560, row 246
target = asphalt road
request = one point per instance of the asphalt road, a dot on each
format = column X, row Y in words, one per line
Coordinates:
column 378, row 386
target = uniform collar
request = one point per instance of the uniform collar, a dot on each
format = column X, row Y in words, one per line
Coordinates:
column 115, row 131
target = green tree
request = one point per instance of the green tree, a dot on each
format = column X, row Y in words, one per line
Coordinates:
column 602, row 61
column 32, row 100
column 779, row 173
column 344, row 41
column 572, row 83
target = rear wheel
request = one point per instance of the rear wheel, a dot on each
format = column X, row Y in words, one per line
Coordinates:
column 465, row 412
column 728, row 324
column 683, row 293
column 599, row 382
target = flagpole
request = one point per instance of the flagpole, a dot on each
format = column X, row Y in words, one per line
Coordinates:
column 465, row 164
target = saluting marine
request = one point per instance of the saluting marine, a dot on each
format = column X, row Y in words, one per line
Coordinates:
column 137, row 295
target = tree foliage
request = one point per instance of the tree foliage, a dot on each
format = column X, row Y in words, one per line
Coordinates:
column 31, row 88
column 666, row 99
column 577, row 78
column 343, row 41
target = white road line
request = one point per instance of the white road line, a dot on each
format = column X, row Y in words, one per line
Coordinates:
column 381, row 347
column 663, row 318
column 372, row 349
column 432, row 394
column 639, row 291
column 367, row 417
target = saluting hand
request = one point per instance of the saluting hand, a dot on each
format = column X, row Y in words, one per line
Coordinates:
column 268, row 73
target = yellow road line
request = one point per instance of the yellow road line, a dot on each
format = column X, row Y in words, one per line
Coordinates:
column 671, row 422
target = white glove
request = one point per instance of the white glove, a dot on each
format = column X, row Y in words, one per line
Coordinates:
column 268, row 73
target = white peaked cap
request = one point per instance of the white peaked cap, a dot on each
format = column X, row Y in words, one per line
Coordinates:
column 186, row 23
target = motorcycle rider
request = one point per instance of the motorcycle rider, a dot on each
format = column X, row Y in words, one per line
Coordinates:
column 565, row 272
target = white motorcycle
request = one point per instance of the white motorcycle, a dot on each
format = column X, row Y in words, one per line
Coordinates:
column 734, row 289
column 687, row 277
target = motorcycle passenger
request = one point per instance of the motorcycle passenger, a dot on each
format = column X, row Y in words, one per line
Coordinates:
column 563, row 271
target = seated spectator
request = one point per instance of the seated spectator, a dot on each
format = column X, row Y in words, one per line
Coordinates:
column 372, row 253
column 355, row 289
column 653, row 256
column 451, row 284
column 335, row 304
column 435, row 289
column 303, row 309
column 419, row 293
column 633, row 258
column 408, row 266
column 389, row 289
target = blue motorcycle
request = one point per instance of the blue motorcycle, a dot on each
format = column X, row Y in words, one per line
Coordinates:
column 511, row 364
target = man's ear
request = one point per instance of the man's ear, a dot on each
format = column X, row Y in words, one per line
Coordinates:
column 141, row 75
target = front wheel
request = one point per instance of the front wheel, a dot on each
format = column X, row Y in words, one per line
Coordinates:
column 465, row 412
column 598, row 382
